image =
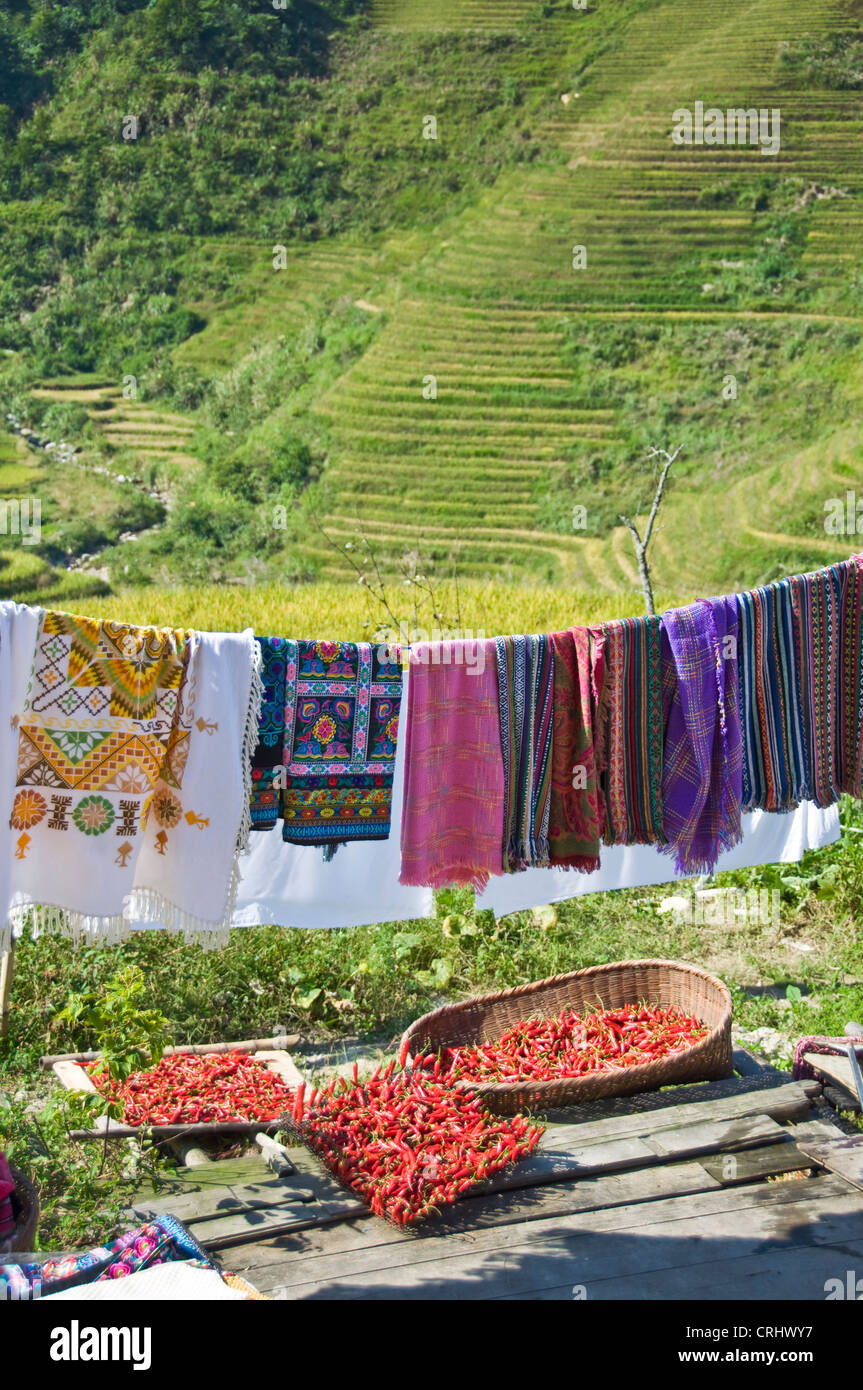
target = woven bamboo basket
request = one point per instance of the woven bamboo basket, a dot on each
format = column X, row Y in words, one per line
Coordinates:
column 25, row 1203
column 660, row 982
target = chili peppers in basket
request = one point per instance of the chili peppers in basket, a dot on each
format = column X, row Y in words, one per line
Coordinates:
column 546, row 1049
column 198, row 1088
column 409, row 1143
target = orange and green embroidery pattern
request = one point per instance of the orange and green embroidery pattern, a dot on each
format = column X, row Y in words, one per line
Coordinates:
column 105, row 730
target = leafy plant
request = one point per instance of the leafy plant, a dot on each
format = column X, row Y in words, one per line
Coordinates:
column 128, row 1036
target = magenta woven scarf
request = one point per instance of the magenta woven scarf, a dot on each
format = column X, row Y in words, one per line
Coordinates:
column 453, row 811
column 702, row 767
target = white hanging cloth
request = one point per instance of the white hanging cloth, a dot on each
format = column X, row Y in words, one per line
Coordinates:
column 292, row 886
column 768, row 838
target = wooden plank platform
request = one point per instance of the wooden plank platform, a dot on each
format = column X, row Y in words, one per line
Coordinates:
column 707, row 1192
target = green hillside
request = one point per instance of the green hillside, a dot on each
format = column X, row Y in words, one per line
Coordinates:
column 421, row 366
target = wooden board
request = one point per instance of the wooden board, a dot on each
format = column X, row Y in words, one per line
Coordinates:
column 284, row 1041
column 647, row 1241
column 843, row 1156
column 702, row 1092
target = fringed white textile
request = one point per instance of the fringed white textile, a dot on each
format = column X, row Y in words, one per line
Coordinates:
column 185, row 871
column 194, row 888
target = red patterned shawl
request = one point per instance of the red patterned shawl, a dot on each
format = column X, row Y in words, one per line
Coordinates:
column 577, row 808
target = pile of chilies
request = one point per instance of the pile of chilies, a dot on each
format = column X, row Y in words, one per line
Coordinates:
column 408, row 1142
column 205, row 1088
column 547, row 1049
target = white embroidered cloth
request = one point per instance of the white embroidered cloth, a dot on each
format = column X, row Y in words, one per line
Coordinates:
column 131, row 792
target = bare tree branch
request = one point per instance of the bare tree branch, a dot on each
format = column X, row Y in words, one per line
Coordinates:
column 641, row 542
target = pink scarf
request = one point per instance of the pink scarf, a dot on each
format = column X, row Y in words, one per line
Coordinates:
column 452, row 818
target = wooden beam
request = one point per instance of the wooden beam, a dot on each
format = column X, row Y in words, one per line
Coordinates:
column 199, row 1049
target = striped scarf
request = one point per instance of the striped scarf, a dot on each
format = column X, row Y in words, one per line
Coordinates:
column 267, row 757
column 701, row 776
column 577, row 813
column 773, row 651
column 630, row 735
column 828, row 613
column 525, row 674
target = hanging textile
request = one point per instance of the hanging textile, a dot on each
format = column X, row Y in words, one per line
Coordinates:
column 851, row 715
column 292, row 885
column 829, row 658
column 19, row 628
column 267, row 757
column 525, row 676
column 453, row 817
column 576, row 810
column 342, row 704
column 701, row 776
column 129, row 840
column 631, row 733
column 775, row 772
column 187, row 873
column 767, row 839
column 106, row 721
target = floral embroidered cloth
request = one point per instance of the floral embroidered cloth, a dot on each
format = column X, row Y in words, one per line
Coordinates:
column 7, row 1187
column 267, row 758
column 133, row 781
column 103, row 740
column 342, row 702
column 188, row 871
column 158, row 1242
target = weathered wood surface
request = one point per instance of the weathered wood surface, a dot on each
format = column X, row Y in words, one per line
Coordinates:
column 73, row 1077
column 748, row 1064
column 674, row 1234
column 705, row 1092
column 666, row 1202
column 842, row 1156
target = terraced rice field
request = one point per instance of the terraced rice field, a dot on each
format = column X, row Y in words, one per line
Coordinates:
column 449, row 14
column 157, row 441
column 453, row 467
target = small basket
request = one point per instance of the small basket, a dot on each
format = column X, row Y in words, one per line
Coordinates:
column 660, row 982
column 25, row 1204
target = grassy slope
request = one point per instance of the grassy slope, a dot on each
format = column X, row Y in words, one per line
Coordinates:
column 451, row 258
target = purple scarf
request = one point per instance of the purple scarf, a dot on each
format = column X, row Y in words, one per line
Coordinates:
column 702, row 764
